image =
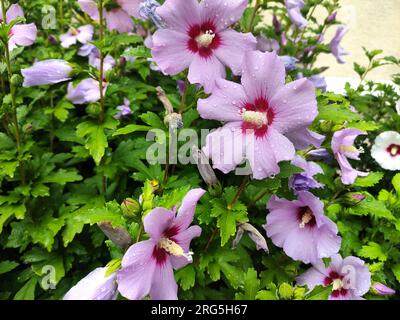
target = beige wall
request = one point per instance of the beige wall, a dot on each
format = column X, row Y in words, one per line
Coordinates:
column 374, row 24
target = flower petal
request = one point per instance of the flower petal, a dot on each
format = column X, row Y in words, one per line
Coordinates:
column 163, row 286
column 233, row 47
column 90, row 8
column 183, row 239
column 312, row 277
column 13, row 13
column 294, row 106
column 225, row 146
column 263, row 74
column 186, row 211
column 131, row 7
column 225, row 102
column 179, row 15
column 157, row 221
column 222, row 13
column 169, row 51
column 95, row 286
column 119, row 20
column 303, row 137
column 24, row 34
column 206, row 71
column 136, row 275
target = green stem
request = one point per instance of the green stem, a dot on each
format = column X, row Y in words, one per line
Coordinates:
column 61, row 17
column 13, row 101
column 101, row 76
column 184, row 96
column 253, row 16
column 240, row 191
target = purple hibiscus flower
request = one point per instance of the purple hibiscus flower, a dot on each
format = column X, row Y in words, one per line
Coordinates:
column 305, row 180
column 20, row 34
column 349, row 277
column 87, row 91
column 82, row 34
column 117, row 19
column 147, row 266
column 301, row 228
column 257, row 116
column 47, row 72
column 95, row 286
column 336, row 49
column 294, row 10
column 124, row 110
column 343, row 148
column 197, row 36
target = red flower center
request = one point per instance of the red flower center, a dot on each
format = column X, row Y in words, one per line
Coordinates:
column 306, row 218
column 203, row 39
column 394, row 150
column 160, row 254
column 257, row 117
column 336, row 280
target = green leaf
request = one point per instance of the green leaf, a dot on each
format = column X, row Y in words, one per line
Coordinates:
column 396, row 183
column 7, row 211
column 7, row 266
column 265, row 295
column 251, row 286
column 372, row 179
column 396, row 271
column 373, row 207
column 319, row 293
column 130, row 128
column 152, row 120
column 27, row 292
column 6, row 142
column 62, row 177
column 337, row 113
column 90, row 214
column 372, row 251
column 227, row 219
column 285, row 291
column 186, row 277
column 96, row 139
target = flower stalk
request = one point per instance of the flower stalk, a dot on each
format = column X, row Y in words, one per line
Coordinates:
column 13, row 99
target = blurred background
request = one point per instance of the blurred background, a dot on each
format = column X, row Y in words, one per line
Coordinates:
column 374, row 24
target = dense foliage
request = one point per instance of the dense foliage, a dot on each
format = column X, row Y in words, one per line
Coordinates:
column 76, row 180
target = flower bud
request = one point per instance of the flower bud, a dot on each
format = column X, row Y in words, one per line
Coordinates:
column 353, row 198
column 130, row 207
column 203, row 164
column 277, row 25
column 47, row 72
column 382, row 290
column 93, row 109
column 331, row 17
column 16, row 80
column 119, row 236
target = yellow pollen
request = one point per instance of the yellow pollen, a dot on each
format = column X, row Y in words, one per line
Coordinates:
column 205, row 39
column 351, row 149
column 337, row 284
column 394, row 150
column 174, row 249
column 74, row 31
column 254, row 117
column 306, row 218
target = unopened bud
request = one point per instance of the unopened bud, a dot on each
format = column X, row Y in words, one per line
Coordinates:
column 254, row 234
column 130, row 207
column 353, row 198
column 93, row 109
column 119, row 236
column 16, row 80
column 174, row 121
column 331, row 18
column 203, row 164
